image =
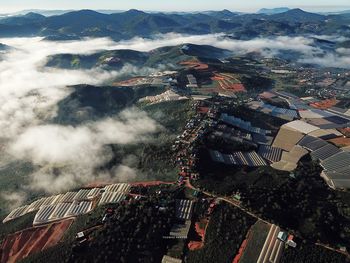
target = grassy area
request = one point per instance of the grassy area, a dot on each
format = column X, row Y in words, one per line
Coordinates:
column 173, row 115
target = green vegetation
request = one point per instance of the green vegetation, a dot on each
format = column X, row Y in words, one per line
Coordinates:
column 312, row 207
column 226, row 231
column 312, row 254
column 173, row 115
column 88, row 103
column 166, row 55
column 109, row 59
column 154, row 158
column 75, row 62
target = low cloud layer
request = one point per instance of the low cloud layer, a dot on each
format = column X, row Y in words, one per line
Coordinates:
column 76, row 151
column 67, row 156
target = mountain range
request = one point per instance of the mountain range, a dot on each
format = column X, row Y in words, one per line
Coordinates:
column 271, row 11
column 125, row 25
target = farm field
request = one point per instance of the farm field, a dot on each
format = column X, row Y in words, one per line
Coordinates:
column 325, row 104
column 255, row 242
column 23, row 243
column 223, row 83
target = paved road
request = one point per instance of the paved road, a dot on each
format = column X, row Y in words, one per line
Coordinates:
column 225, row 199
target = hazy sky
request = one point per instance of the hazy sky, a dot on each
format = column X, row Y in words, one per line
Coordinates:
column 171, row 5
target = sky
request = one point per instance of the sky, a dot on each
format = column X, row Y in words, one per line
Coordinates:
column 172, row 5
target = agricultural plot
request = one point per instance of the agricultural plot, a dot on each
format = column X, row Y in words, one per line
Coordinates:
column 244, row 125
column 229, row 82
column 251, row 159
column 21, row 244
column 222, row 83
column 70, row 204
column 255, row 242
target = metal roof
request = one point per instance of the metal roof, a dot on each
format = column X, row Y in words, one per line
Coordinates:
column 272, row 154
column 301, row 126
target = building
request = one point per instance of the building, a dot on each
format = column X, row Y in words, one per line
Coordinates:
column 168, row 259
column 192, row 82
column 184, row 209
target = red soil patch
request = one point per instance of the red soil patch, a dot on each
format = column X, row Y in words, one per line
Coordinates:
column 150, row 183
column 127, row 82
column 340, row 141
column 195, row 64
column 228, row 82
column 103, row 184
column 217, row 78
column 226, row 85
column 240, row 252
column 237, row 87
column 23, row 243
column 345, row 131
column 96, row 185
column 203, row 110
column 325, row 104
column 194, row 245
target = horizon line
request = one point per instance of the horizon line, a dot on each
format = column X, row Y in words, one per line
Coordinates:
column 304, row 8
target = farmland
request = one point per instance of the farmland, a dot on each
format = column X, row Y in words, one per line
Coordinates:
column 255, row 241
column 32, row 240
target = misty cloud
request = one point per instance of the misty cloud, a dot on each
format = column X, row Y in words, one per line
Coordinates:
column 14, row 199
column 50, row 144
column 68, row 155
column 268, row 47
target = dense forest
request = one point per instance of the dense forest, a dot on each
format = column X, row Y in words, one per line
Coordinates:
column 312, row 254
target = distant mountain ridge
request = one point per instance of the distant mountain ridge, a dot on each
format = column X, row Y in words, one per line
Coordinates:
column 4, row 47
column 272, row 11
column 125, row 25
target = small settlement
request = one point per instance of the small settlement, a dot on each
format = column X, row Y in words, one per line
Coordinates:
column 307, row 130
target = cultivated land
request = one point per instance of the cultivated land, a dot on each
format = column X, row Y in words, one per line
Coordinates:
column 32, row 240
